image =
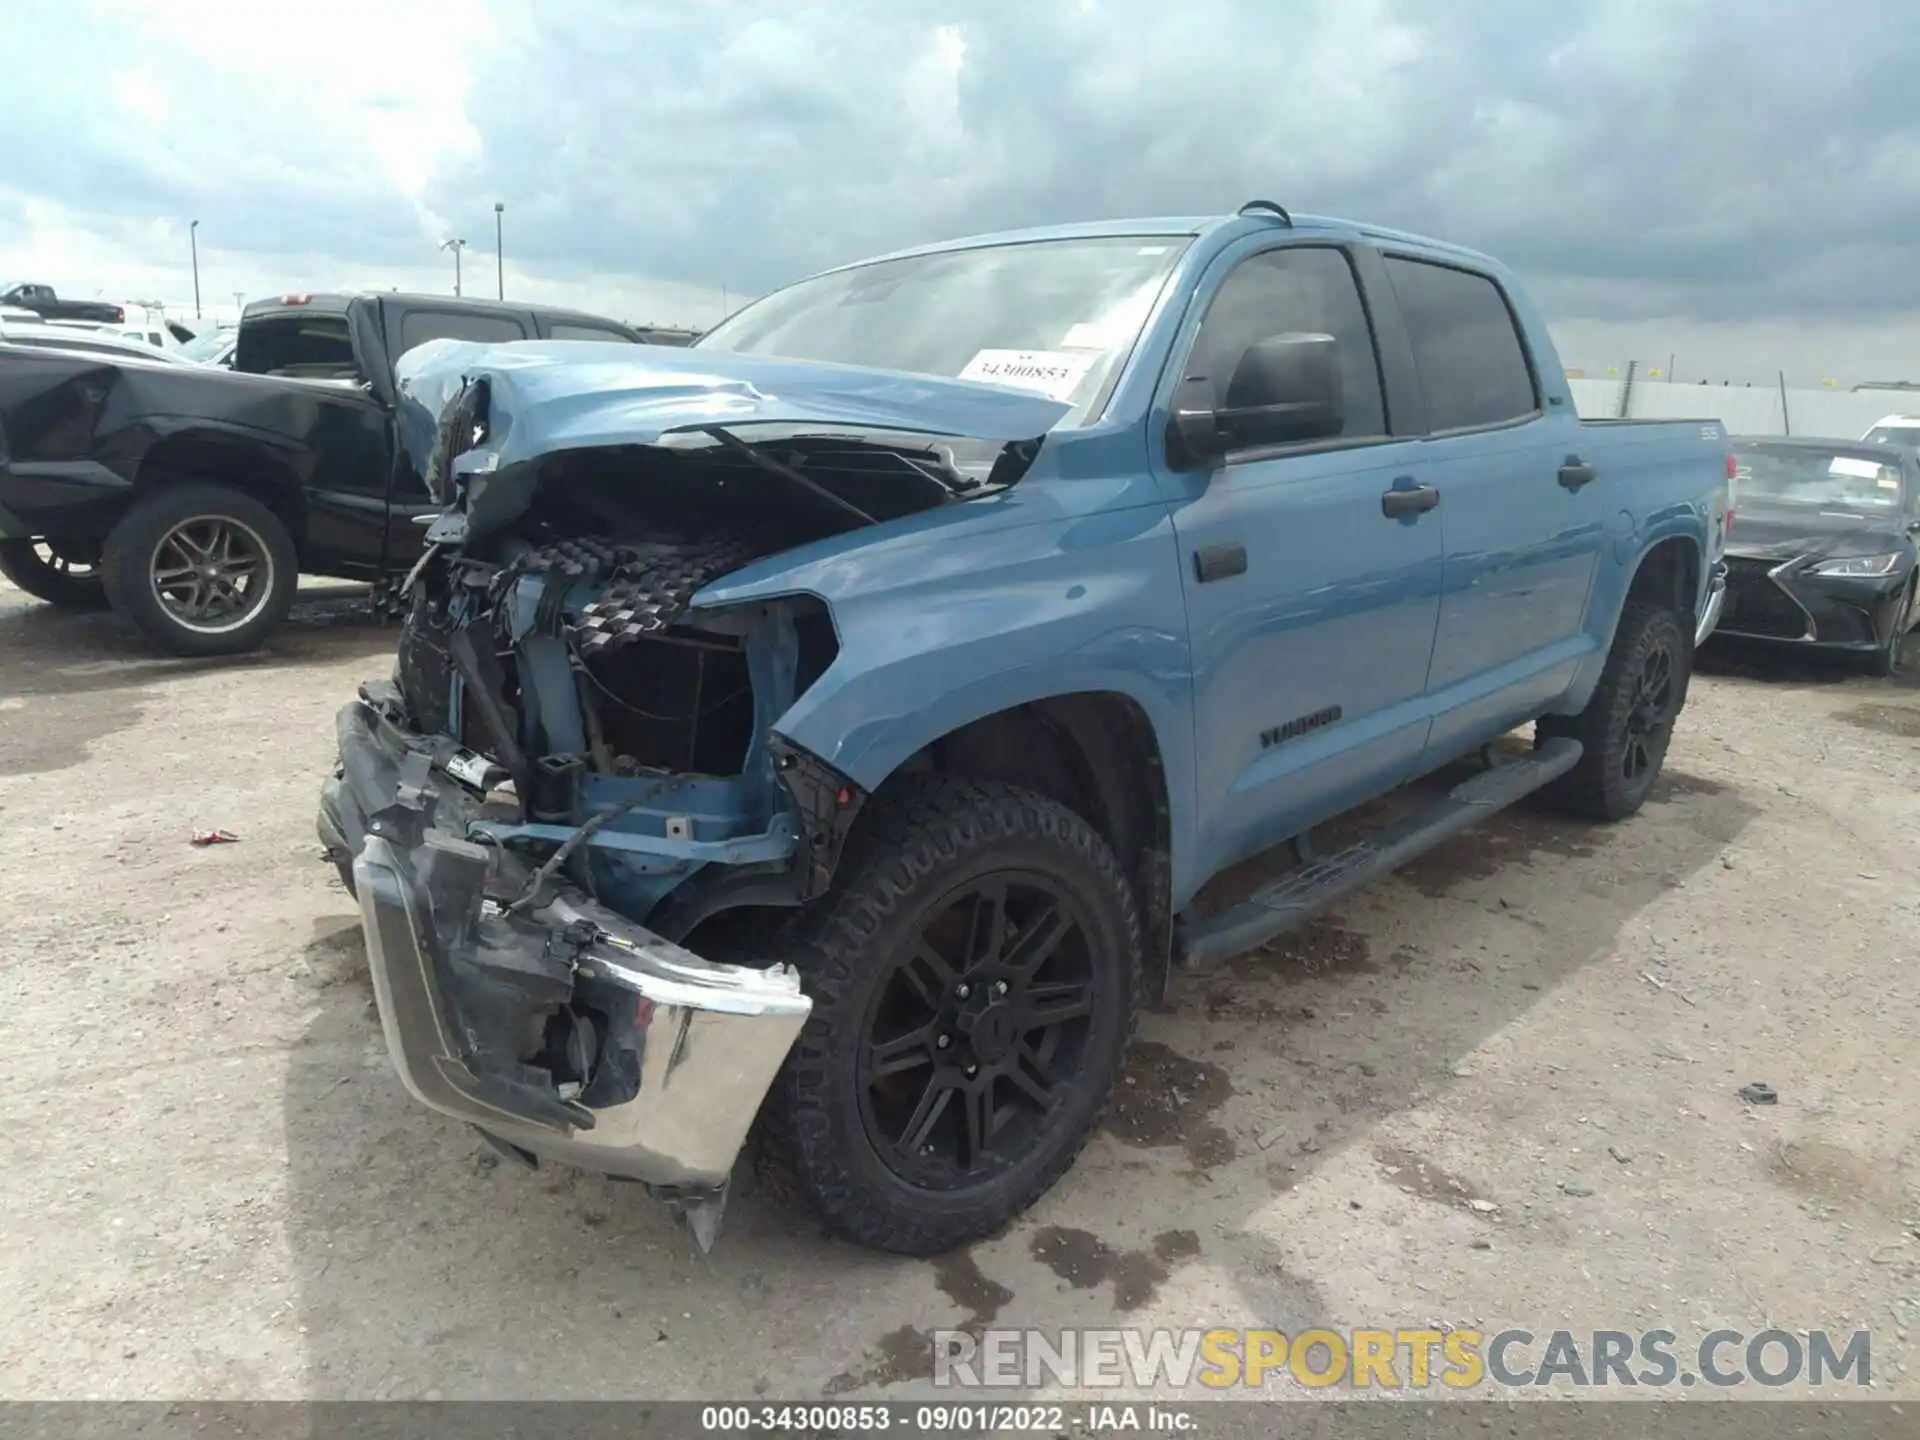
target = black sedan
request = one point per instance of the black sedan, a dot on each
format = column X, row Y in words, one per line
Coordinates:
column 1822, row 546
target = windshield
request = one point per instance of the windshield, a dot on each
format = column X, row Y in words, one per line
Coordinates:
column 1829, row 480
column 1901, row 434
column 1057, row 317
column 205, row 348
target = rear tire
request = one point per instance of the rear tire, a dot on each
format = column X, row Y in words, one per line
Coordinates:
column 64, row 583
column 202, row 569
column 928, row 1102
column 1627, row 725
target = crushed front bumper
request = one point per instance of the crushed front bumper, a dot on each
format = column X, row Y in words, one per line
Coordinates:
column 566, row 1031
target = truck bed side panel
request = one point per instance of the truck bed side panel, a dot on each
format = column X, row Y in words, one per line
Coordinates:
column 1663, row 479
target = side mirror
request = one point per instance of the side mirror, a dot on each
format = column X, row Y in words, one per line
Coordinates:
column 1285, row 390
column 1194, row 438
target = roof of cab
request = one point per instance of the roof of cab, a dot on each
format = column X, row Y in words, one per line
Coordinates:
column 1193, row 226
column 336, row 303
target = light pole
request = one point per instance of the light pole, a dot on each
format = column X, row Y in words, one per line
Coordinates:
column 456, row 246
column 193, row 242
column 499, row 255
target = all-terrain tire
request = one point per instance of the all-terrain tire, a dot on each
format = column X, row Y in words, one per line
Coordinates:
column 1890, row 659
column 1604, row 785
column 131, row 555
column 55, row 582
column 1884, row 663
column 928, row 842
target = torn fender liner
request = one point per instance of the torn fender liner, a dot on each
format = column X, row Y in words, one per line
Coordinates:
column 569, row 1032
column 544, row 396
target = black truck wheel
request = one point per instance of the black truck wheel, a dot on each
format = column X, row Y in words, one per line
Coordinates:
column 52, row 570
column 202, row 569
column 974, row 975
column 1628, row 723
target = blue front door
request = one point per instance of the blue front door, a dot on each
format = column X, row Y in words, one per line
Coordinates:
column 1311, row 609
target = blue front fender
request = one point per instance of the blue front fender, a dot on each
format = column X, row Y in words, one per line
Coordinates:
column 995, row 604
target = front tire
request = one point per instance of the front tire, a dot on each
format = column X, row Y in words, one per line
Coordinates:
column 1884, row 663
column 974, row 976
column 1888, row 660
column 46, row 570
column 202, row 570
column 1627, row 725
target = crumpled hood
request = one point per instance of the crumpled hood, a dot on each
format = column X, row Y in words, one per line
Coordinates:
column 1771, row 534
column 549, row 395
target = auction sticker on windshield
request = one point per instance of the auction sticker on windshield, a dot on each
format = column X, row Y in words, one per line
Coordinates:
column 1055, row 374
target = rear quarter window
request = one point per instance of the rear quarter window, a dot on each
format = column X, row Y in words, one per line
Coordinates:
column 585, row 332
column 1466, row 346
column 419, row 326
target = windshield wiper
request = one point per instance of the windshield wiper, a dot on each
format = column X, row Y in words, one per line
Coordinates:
column 785, row 472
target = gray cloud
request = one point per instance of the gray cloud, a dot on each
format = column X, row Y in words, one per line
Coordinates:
column 1719, row 161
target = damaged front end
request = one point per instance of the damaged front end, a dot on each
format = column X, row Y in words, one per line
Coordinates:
column 577, row 769
column 543, row 1017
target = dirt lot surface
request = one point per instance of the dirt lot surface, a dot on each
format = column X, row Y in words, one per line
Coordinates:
column 1497, row 1089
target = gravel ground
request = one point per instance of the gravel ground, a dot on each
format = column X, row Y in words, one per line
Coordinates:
column 1497, row 1089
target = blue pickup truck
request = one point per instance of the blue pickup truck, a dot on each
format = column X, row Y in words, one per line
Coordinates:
column 828, row 729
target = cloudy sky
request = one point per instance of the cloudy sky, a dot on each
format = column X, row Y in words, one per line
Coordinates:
column 1732, row 182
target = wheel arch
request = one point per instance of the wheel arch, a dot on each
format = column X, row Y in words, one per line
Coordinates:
column 1668, row 572
column 213, row 455
column 1097, row 753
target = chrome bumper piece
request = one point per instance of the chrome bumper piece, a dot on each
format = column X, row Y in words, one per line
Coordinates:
column 666, row 1056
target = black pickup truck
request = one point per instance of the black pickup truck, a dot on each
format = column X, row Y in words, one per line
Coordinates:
column 48, row 306
column 191, row 498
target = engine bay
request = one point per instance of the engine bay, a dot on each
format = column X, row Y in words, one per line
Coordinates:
column 554, row 638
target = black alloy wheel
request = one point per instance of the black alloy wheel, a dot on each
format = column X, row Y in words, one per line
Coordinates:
column 974, row 972
column 202, row 569
column 211, row 573
column 977, row 1030
column 1628, row 723
column 1650, row 720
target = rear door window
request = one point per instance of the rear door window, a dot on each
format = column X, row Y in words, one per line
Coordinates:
column 584, row 332
column 1466, row 345
column 419, row 326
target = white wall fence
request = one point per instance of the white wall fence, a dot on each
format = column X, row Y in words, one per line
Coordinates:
column 1755, row 410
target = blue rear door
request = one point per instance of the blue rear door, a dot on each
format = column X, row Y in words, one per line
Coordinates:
column 1311, row 609
column 1527, row 515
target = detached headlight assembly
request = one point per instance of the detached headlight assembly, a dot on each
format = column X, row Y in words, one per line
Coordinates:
column 1858, row 565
